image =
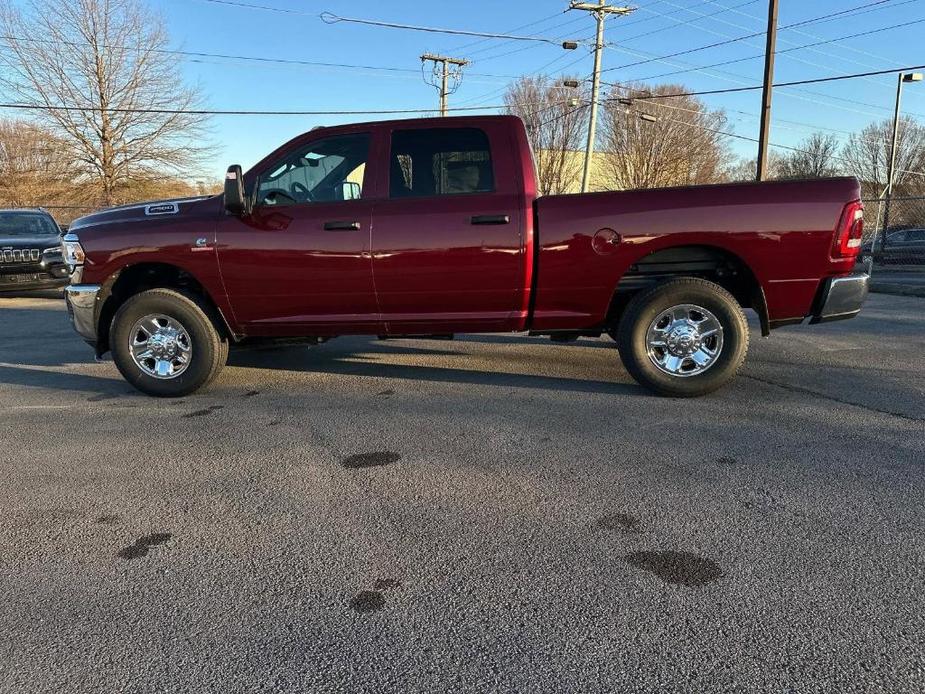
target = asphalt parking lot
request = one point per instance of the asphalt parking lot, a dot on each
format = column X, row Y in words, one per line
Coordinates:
column 488, row 514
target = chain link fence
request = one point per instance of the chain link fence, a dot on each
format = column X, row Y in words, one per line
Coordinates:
column 894, row 235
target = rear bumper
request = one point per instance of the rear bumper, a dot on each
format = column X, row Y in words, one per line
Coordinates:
column 842, row 297
column 81, row 302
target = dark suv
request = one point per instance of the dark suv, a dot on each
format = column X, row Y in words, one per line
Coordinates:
column 30, row 251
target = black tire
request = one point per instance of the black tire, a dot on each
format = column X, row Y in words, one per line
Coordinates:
column 209, row 348
column 646, row 306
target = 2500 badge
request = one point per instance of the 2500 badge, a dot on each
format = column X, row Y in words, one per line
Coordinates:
column 162, row 208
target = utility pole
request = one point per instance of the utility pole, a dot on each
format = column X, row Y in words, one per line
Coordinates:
column 444, row 69
column 767, row 92
column 891, row 164
column 600, row 12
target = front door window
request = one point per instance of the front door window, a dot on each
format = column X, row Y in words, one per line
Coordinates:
column 327, row 170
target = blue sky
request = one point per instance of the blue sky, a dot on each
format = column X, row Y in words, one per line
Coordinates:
column 657, row 28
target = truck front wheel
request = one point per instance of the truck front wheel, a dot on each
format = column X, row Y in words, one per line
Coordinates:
column 164, row 343
column 683, row 338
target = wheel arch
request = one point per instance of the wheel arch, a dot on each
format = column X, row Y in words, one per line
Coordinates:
column 704, row 260
column 138, row 277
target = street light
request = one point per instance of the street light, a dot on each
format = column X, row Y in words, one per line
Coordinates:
column 903, row 78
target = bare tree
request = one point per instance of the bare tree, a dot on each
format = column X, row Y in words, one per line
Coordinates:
column 95, row 72
column 677, row 144
column 555, row 128
column 747, row 169
column 35, row 166
column 867, row 155
column 815, row 157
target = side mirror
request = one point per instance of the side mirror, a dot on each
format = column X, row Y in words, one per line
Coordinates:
column 235, row 200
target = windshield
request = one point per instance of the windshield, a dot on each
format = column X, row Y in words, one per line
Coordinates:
column 27, row 224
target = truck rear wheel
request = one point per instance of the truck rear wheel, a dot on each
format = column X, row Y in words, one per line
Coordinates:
column 683, row 338
column 164, row 343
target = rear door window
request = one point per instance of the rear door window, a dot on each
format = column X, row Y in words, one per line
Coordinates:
column 440, row 161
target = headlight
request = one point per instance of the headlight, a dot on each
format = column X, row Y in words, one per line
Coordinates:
column 73, row 251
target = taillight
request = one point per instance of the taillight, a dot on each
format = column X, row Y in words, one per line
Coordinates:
column 850, row 231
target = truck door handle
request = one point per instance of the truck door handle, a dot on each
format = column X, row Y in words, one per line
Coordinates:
column 341, row 226
column 491, row 219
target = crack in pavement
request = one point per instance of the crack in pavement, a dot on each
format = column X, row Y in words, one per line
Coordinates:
column 808, row 391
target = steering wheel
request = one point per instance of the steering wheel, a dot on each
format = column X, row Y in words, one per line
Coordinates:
column 272, row 197
column 297, row 188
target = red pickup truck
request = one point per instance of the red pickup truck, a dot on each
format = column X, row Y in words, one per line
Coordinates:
column 434, row 227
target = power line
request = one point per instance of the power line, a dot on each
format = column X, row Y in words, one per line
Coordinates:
column 331, row 18
column 849, row 47
column 681, row 22
column 747, row 36
column 538, row 71
column 241, row 112
column 800, row 124
column 467, row 46
column 815, row 64
column 794, row 83
column 737, row 78
column 784, row 51
column 227, row 56
column 268, row 8
column 485, row 59
column 772, row 144
column 235, row 112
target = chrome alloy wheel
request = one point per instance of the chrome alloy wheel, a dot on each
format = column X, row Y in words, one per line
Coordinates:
column 160, row 346
column 684, row 340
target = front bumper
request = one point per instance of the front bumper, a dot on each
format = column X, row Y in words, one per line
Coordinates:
column 44, row 276
column 842, row 297
column 82, row 302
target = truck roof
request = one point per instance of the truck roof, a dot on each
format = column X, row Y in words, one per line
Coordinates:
column 430, row 120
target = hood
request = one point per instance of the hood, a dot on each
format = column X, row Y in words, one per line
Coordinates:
column 151, row 212
column 42, row 241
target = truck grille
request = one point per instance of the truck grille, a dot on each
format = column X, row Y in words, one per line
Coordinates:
column 20, row 255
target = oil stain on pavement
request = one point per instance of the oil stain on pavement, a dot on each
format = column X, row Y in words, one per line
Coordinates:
column 107, row 520
column 619, row 521
column 142, row 545
column 203, row 413
column 386, row 393
column 374, row 459
column 367, row 601
column 679, row 568
column 99, row 397
column 373, row 600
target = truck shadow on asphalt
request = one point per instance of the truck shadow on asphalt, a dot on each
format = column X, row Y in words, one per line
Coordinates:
column 352, row 363
column 56, row 380
column 112, row 386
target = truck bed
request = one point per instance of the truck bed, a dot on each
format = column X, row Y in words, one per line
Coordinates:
column 782, row 230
